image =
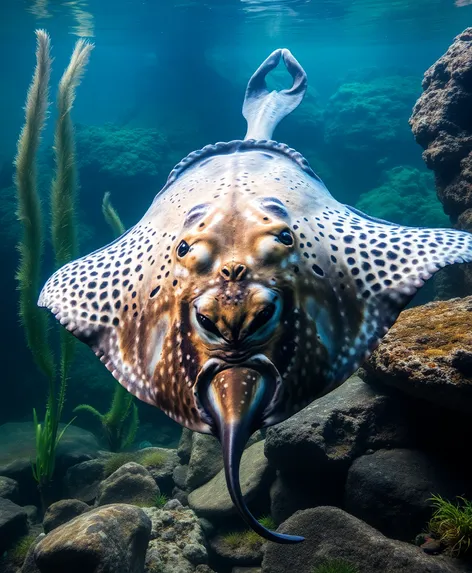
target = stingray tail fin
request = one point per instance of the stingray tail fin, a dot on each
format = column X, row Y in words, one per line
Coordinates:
column 264, row 110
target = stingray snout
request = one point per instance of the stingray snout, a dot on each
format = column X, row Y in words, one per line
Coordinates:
column 236, row 400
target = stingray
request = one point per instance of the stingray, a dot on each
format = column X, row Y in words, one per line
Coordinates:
column 246, row 291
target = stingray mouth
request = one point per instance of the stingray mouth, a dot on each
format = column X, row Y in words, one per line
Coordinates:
column 236, row 399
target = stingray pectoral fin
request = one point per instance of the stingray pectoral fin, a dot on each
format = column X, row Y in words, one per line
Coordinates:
column 264, row 110
column 236, row 399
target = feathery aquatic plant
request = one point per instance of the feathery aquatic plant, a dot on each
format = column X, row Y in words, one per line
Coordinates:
column 63, row 229
column 452, row 523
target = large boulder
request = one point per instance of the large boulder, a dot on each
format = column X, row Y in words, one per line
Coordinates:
column 326, row 436
column 427, row 354
column 61, row 512
column 212, row 500
column 131, row 483
column 390, row 490
column 17, row 449
column 13, row 523
column 109, row 539
column 331, row 533
column 177, row 540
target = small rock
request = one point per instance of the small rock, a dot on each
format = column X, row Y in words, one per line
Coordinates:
column 212, row 500
column 431, row 547
column 109, row 539
column 163, row 473
column 173, row 504
column 290, row 493
column 177, row 541
column 195, row 553
column 185, row 446
column 206, row 460
column 207, row 526
column 385, row 487
column 331, row 533
column 62, row 512
column 180, row 476
column 131, row 483
column 9, row 489
column 13, row 523
column 82, row 480
column 203, row 569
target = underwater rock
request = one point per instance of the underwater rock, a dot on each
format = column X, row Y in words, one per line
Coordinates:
column 289, row 493
column 390, row 489
column 13, row 523
column 162, row 473
column 331, row 533
column 17, row 449
column 177, row 541
column 82, row 480
column 185, row 446
column 9, row 489
column 326, row 436
column 441, row 125
column 227, row 551
column 131, row 483
column 206, row 458
column 427, row 354
column 33, row 514
column 109, row 539
column 62, row 512
column 212, row 500
column 246, row 570
column 180, row 476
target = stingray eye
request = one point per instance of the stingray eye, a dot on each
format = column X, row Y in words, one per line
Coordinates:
column 207, row 324
column 285, row 237
column 183, row 249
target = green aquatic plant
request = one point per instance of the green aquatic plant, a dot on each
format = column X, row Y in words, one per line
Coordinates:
column 17, row 554
column 452, row 524
column 336, row 566
column 121, row 422
column 247, row 537
column 154, row 459
column 160, row 500
column 63, row 234
column 147, row 459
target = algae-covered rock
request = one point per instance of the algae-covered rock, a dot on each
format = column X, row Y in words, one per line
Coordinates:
column 391, row 490
column 428, row 354
column 212, row 500
column 61, row 512
column 131, row 483
column 331, row 533
column 82, row 480
column 109, row 539
column 177, row 540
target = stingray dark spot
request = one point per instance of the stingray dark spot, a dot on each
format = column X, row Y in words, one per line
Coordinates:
column 351, row 261
column 296, row 269
column 138, row 268
column 167, row 274
column 103, row 296
column 135, row 314
column 340, row 274
column 376, row 287
column 116, row 321
column 118, row 304
column 115, row 293
column 366, row 266
column 306, row 255
column 370, row 277
column 106, row 307
column 396, row 277
column 126, row 271
column 93, row 317
column 133, row 295
column 355, row 271
column 318, row 270
column 349, row 250
column 155, row 291
column 84, row 314
column 140, row 278
column 90, row 295
column 104, row 285
column 334, row 259
column 366, row 294
column 92, row 284
column 348, row 238
column 126, row 282
column 407, row 251
column 379, row 262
